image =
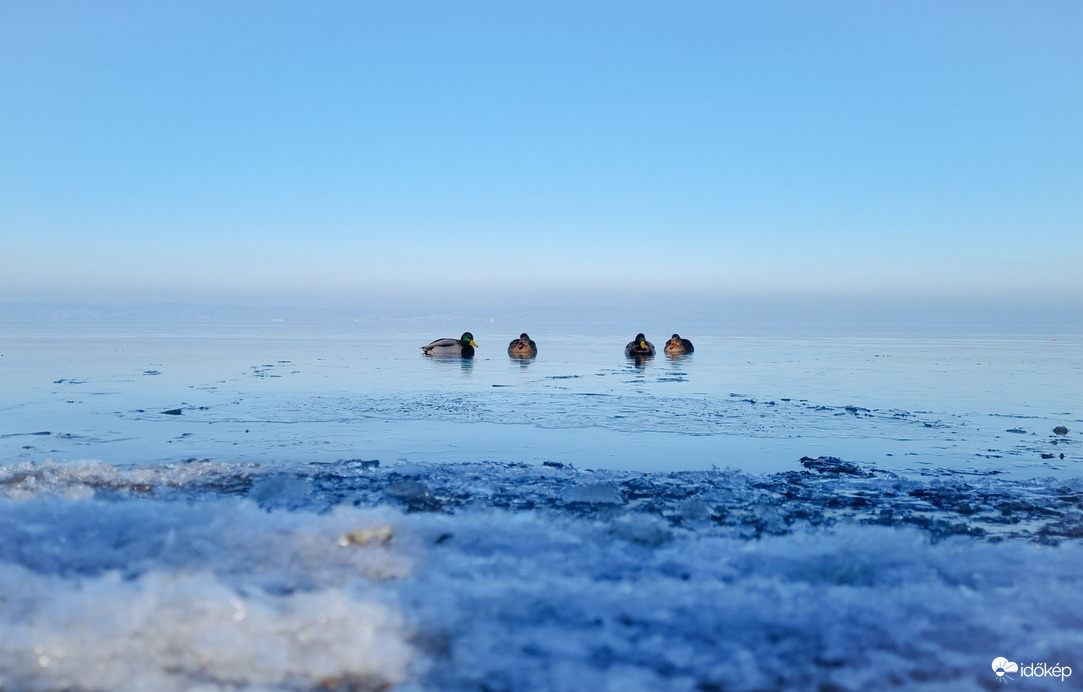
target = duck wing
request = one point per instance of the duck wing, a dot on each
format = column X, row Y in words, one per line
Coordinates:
column 441, row 345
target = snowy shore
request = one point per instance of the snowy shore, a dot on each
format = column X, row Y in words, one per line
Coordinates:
column 354, row 576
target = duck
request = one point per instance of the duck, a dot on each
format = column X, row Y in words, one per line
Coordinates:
column 639, row 346
column 462, row 347
column 523, row 347
column 676, row 345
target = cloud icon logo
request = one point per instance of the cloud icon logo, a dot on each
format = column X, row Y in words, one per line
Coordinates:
column 1002, row 666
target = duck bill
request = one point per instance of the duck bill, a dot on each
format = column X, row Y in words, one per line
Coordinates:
column 472, row 343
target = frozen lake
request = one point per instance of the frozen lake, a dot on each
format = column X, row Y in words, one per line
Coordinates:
column 277, row 392
column 290, row 505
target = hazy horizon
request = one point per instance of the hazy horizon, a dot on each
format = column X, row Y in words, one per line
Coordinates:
column 832, row 157
column 898, row 316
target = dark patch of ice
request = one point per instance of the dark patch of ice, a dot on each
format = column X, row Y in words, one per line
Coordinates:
column 825, row 493
column 833, row 465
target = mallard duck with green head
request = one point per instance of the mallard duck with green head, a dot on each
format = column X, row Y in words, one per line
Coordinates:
column 463, row 347
column 523, row 347
column 676, row 345
column 639, row 347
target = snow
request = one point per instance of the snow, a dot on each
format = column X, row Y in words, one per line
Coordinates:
column 519, row 577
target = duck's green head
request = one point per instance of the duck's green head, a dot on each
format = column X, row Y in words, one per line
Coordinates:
column 641, row 340
column 468, row 339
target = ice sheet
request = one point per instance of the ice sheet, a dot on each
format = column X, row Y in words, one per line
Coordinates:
column 208, row 506
column 253, row 393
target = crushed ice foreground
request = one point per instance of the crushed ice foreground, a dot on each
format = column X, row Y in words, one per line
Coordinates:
column 205, row 576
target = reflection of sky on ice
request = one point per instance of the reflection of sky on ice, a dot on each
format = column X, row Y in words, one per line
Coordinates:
column 318, row 392
column 216, row 547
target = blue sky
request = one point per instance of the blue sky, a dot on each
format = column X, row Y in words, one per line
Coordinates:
column 347, row 153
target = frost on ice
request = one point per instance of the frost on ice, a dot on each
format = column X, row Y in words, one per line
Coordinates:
column 511, row 577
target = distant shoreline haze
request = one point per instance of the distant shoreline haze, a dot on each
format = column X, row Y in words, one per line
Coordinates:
column 924, row 313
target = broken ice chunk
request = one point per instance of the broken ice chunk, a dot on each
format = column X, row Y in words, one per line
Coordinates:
column 594, row 494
